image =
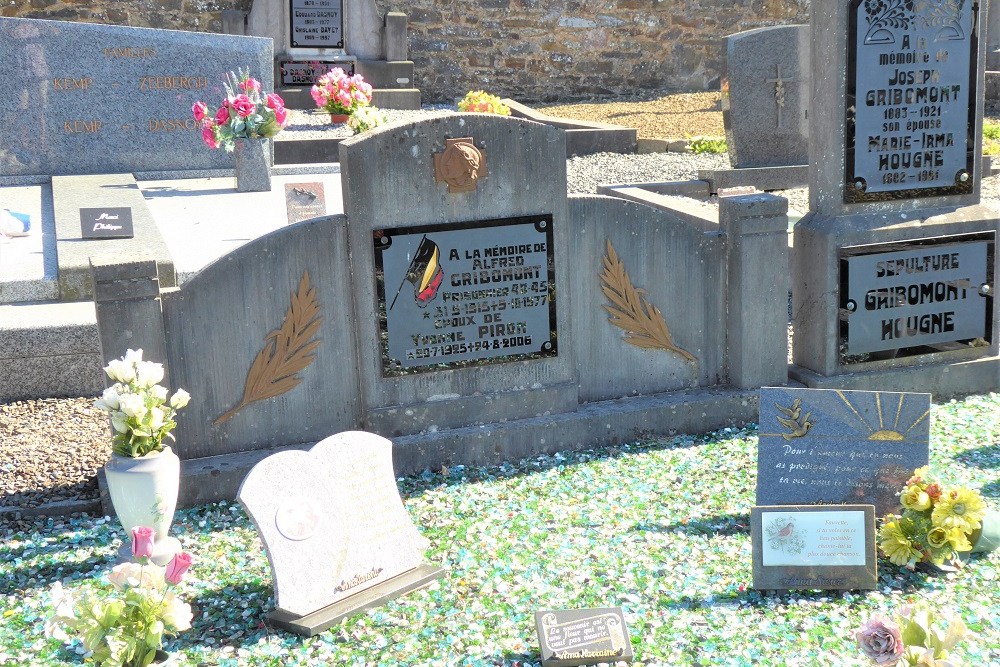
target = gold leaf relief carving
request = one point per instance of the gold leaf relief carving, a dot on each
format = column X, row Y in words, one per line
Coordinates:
column 631, row 311
column 287, row 351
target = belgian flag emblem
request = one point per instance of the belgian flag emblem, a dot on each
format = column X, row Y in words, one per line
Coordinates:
column 424, row 273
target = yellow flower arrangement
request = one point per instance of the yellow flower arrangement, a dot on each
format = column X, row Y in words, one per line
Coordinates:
column 935, row 525
column 482, row 102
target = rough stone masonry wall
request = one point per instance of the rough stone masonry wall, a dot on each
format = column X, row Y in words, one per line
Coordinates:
column 536, row 50
column 195, row 15
column 531, row 50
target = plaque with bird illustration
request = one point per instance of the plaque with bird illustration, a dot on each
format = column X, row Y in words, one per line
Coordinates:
column 827, row 446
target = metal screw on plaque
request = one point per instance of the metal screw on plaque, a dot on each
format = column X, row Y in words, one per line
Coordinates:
column 962, row 177
column 384, row 240
column 546, row 346
column 860, row 185
column 851, row 306
column 985, row 290
column 542, row 224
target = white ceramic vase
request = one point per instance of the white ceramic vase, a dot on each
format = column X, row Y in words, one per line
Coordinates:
column 144, row 493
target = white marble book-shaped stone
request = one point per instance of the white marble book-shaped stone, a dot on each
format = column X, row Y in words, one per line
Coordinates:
column 332, row 523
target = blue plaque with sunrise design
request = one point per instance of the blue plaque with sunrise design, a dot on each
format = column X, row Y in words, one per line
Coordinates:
column 831, row 446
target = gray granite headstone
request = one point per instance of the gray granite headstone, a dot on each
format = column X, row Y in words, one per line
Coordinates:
column 829, row 446
column 331, row 521
column 84, row 98
column 765, row 97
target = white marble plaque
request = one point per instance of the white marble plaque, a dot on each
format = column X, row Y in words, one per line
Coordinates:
column 331, row 520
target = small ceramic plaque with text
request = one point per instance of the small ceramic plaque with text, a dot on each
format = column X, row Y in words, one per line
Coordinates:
column 827, row 547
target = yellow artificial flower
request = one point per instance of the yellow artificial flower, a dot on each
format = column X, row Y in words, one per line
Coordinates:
column 918, row 476
column 938, row 537
column 915, row 498
column 959, row 508
column 896, row 546
column 959, row 540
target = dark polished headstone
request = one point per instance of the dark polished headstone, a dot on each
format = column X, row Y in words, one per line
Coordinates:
column 823, row 446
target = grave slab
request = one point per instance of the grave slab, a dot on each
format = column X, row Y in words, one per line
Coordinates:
column 28, row 266
column 72, row 193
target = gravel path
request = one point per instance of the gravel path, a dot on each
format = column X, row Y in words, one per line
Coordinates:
column 50, row 450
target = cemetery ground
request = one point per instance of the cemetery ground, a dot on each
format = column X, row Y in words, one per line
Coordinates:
column 660, row 528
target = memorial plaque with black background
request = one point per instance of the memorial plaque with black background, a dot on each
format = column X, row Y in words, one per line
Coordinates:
column 831, row 446
column 911, row 99
column 305, row 73
column 934, row 294
column 317, row 23
column 455, row 295
column 106, row 223
column 583, row 637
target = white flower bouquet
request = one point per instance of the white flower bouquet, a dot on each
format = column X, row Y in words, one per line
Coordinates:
column 140, row 413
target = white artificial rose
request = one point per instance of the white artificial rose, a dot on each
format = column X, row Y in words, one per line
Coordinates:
column 119, row 422
column 120, row 370
column 159, row 392
column 148, row 373
column 177, row 613
column 133, row 406
column 156, row 416
column 108, row 400
column 133, row 356
column 180, row 399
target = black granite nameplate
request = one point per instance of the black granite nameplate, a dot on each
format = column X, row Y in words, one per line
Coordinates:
column 583, row 637
column 911, row 99
column 316, row 23
column 304, row 201
column 827, row 446
column 106, row 223
column 934, row 294
column 305, row 73
column 808, row 547
column 462, row 294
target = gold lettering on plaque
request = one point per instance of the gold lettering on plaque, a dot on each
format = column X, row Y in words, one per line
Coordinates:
column 82, row 126
column 69, row 83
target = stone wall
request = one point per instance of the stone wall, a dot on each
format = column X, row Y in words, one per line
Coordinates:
column 531, row 50
column 561, row 49
column 196, row 15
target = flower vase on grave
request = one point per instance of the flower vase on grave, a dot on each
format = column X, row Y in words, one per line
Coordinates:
column 143, row 490
column 252, row 171
column 339, row 117
column 986, row 538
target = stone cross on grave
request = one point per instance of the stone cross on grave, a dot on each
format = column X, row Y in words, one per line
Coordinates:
column 779, row 90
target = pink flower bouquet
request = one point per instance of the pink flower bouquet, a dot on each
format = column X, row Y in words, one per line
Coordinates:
column 337, row 93
column 246, row 113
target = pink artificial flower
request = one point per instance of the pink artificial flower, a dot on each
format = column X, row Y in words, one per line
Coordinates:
column 880, row 640
column 343, row 97
column 199, row 110
column 250, row 84
column 318, row 95
column 177, row 567
column 222, row 115
column 274, row 101
column 281, row 116
column 142, row 541
column 208, row 136
column 243, row 106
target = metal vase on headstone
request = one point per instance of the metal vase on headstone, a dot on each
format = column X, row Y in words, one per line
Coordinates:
column 253, row 174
